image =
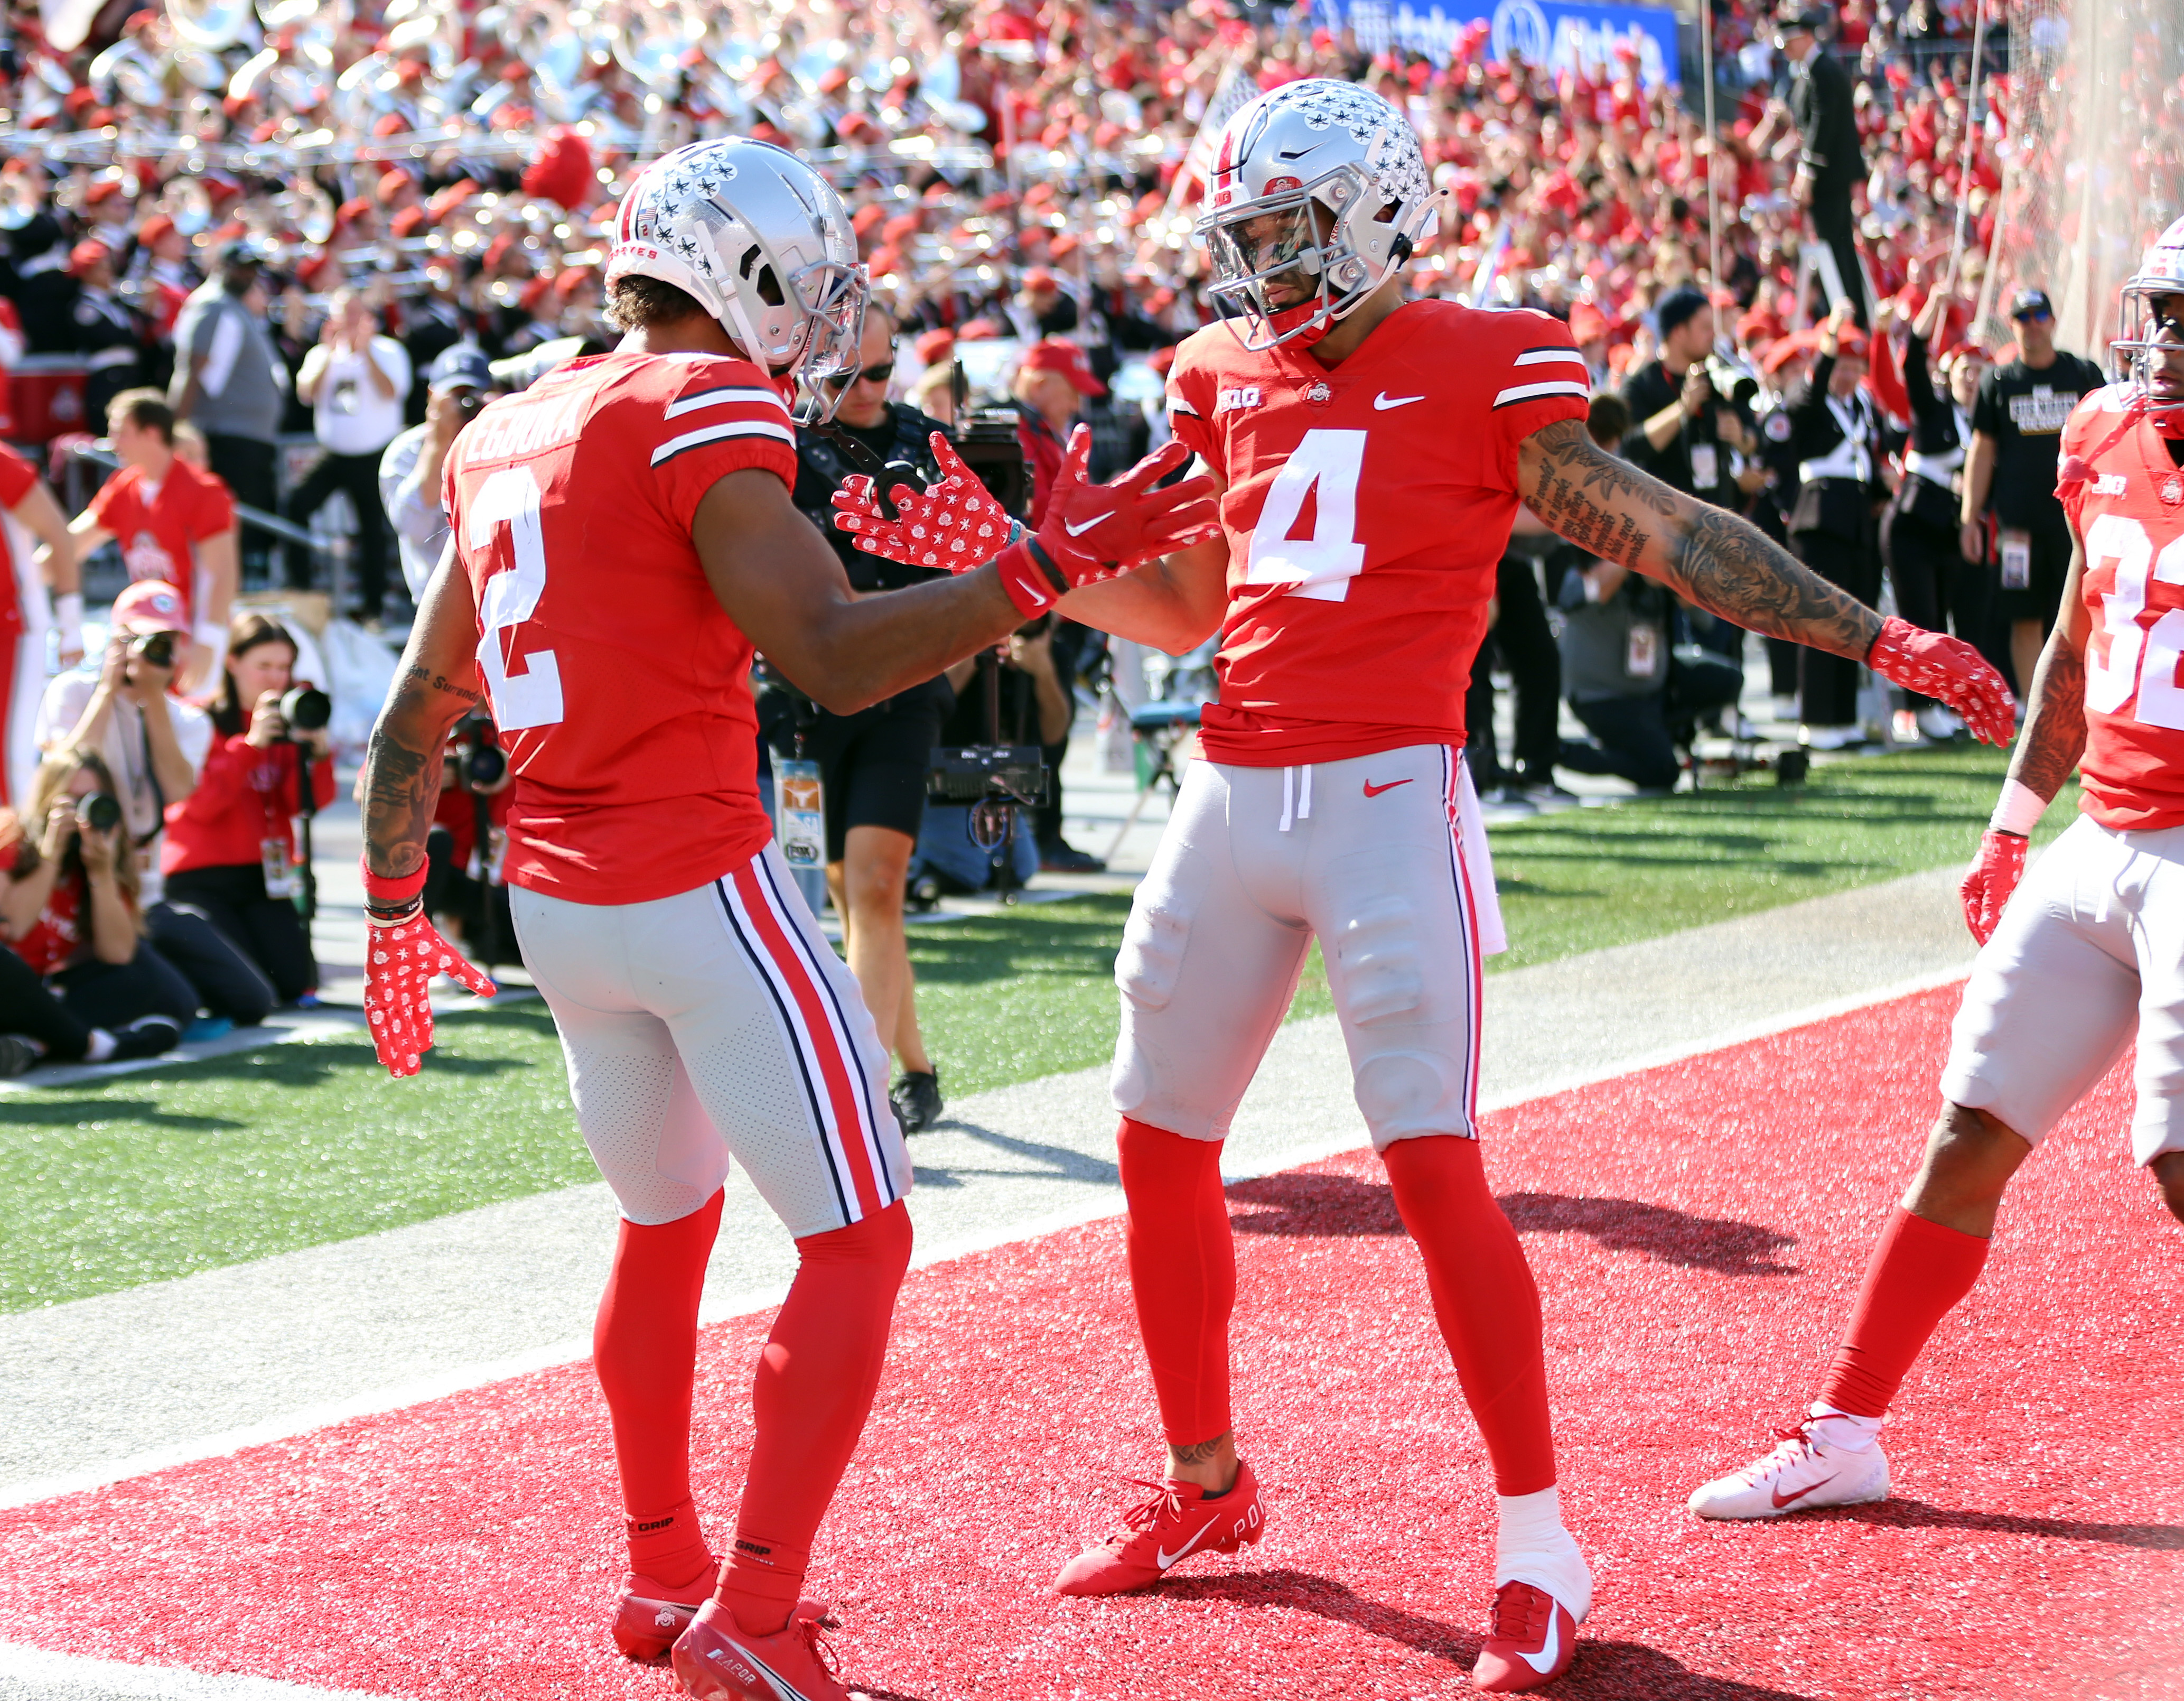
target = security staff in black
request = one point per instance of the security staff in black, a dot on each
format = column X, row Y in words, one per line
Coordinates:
column 872, row 764
column 1835, row 433
column 1830, row 161
column 1935, row 586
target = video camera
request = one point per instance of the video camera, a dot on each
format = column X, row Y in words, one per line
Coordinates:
column 1732, row 381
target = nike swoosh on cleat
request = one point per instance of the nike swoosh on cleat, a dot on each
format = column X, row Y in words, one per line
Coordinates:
column 1166, row 1559
column 1079, row 530
column 1782, row 1500
column 1544, row 1660
column 1384, row 401
column 1373, row 790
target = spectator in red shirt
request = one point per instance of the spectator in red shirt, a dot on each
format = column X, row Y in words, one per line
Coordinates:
column 175, row 523
column 230, row 845
column 1051, row 386
column 71, row 911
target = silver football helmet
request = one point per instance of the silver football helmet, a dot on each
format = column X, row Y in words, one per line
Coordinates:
column 1308, row 146
column 2160, row 274
column 762, row 243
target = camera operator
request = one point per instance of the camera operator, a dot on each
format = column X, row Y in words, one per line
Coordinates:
column 1035, row 709
column 459, row 384
column 463, row 867
column 152, row 742
column 73, row 911
column 230, row 849
column 872, row 764
column 1686, row 433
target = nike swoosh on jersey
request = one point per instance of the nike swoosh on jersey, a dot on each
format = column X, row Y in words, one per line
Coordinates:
column 1384, row 401
column 1373, row 790
column 1079, row 530
column 1167, row 1559
column 1544, row 1660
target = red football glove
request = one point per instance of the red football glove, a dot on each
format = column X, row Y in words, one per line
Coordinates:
column 1936, row 664
column 1993, row 877
column 1091, row 531
column 405, row 951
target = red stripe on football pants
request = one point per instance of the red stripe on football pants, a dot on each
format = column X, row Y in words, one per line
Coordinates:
column 1917, row 1275
column 1182, row 1274
column 817, row 1376
column 1484, row 1299
column 644, row 1346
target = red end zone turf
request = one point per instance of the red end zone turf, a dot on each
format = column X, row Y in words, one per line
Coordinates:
column 1697, row 1229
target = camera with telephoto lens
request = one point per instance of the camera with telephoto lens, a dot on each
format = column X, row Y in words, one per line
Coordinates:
column 155, row 649
column 474, row 760
column 306, row 709
column 1732, row 381
column 102, row 811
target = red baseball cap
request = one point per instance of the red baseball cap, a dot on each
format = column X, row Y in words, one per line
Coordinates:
column 86, row 255
column 1058, row 354
column 150, row 605
column 1039, row 278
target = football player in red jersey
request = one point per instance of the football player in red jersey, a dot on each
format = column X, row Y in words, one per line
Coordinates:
column 39, row 556
column 1372, row 453
column 622, row 536
column 2082, row 960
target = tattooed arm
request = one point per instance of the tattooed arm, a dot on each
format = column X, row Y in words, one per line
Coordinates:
column 2054, row 737
column 1710, row 555
column 435, row 686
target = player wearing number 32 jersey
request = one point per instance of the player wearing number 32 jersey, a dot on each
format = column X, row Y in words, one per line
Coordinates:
column 2084, row 958
column 622, row 538
column 1372, row 455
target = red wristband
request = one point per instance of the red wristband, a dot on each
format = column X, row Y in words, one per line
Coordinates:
column 1025, row 581
column 393, row 889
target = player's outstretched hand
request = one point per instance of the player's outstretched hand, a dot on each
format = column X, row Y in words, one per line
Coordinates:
column 1936, row 664
column 1093, row 531
column 402, row 961
column 1993, row 877
column 955, row 524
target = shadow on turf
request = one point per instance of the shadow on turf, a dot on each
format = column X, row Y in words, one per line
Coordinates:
column 1332, row 1205
column 1610, row 1671
column 1897, row 1513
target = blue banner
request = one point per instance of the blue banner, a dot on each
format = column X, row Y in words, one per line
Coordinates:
column 1559, row 34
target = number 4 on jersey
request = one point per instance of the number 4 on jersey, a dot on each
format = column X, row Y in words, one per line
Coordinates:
column 532, row 698
column 1323, row 565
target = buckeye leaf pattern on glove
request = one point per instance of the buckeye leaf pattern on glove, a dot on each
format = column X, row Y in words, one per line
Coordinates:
column 402, row 961
column 955, row 524
column 1936, row 664
column 1993, row 877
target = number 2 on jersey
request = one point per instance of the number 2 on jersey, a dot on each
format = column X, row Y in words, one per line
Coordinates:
column 1323, row 565
column 532, row 698
column 2142, row 657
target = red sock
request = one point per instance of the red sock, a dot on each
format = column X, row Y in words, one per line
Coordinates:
column 644, row 1345
column 1183, row 1274
column 1917, row 1274
column 816, row 1381
column 1485, row 1300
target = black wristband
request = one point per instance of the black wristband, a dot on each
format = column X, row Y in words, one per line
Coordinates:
column 1055, row 576
column 393, row 915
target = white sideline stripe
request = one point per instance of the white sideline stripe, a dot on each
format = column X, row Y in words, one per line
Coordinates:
column 463, row 1378
column 1540, row 357
column 55, row 1675
column 1524, row 392
column 722, row 433
column 745, row 394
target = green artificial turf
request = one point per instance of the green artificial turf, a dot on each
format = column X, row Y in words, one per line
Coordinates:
column 153, row 1176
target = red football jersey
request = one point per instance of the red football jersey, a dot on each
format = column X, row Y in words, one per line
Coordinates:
column 2130, row 511
column 17, row 477
column 1368, row 506
column 619, row 687
column 156, row 535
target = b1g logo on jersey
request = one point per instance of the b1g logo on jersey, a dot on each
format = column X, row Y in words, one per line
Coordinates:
column 1245, row 396
column 2108, row 484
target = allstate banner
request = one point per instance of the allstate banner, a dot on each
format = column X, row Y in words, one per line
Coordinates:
column 1560, row 35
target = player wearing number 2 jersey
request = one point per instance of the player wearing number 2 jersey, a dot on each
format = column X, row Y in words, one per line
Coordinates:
column 1373, row 454
column 622, row 536
column 2084, row 958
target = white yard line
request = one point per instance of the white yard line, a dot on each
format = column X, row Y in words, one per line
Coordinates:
column 34, row 1674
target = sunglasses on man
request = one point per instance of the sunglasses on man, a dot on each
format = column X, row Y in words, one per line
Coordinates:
column 2034, row 315
column 877, row 375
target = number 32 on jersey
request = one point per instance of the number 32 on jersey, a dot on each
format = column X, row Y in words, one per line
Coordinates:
column 532, row 698
column 2144, row 658
column 1329, row 464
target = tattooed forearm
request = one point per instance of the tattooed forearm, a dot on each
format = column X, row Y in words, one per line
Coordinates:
column 1607, row 506
column 2054, row 735
column 401, row 789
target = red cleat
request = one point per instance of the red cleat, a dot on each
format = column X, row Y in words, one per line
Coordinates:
column 1532, row 1643
column 648, row 1616
column 1178, row 1521
column 716, row 1660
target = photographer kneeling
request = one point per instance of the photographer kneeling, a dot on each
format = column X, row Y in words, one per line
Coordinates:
column 73, row 912
column 231, row 850
column 872, row 764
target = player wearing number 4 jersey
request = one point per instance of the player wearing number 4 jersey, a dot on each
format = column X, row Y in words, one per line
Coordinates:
column 2083, row 958
column 622, row 536
column 1373, row 455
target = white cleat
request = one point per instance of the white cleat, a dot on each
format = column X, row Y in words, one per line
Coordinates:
column 1801, row 1474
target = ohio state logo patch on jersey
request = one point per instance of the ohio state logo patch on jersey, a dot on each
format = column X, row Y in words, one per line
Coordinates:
column 2172, row 489
column 1318, row 394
